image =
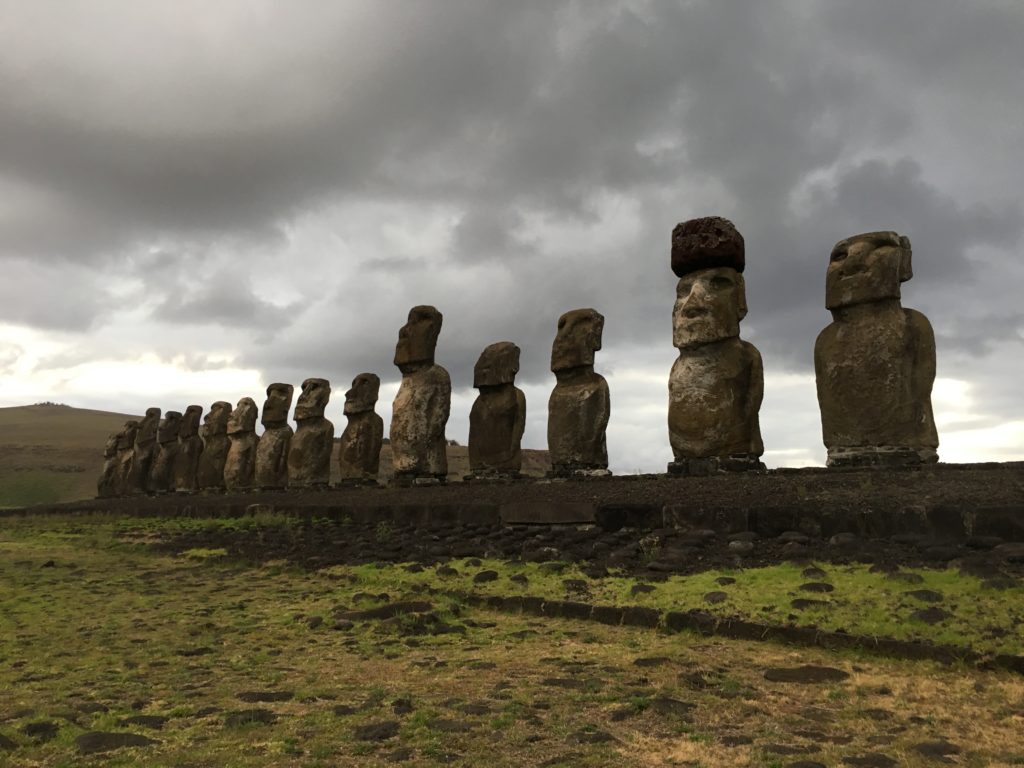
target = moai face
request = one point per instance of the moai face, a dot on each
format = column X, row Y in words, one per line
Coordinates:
column 313, row 400
column 169, row 428
column 126, row 437
column 277, row 405
column 417, row 339
column 110, row 448
column 709, row 306
column 148, row 426
column 498, row 364
column 362, row 397
column 243, row 418
column 866, row 268
column 216, row 421
column 578, row 337
column 190, row 422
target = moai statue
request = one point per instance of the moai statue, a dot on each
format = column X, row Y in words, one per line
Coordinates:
column 309, row 457
column 717, row 382
column 161, row 474
column 125, row 456
column 498, row 416
column 240, row 465
column 421, row 407
column 579, row 406
column 359, row 457
column 272, row 452
column 106, row 486
column 214, row 433
column 190, row 448
column 875, row 364
column 143, row 453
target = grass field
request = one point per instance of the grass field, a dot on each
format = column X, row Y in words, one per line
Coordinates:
column 204, row 660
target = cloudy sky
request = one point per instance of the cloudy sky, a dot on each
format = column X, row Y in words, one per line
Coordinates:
column 197, row 199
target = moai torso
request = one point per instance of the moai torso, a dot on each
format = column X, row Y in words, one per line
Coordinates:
column 421, row 407
column 498, row 416
column 309, row 456
column 275, row 442
column 161, row 475
column 190, row 448
column 210, row 467
column 875, row 364
column 359, row 451
column 717, row 382
column 144, row 452
column 240, row 465
column 579, row 406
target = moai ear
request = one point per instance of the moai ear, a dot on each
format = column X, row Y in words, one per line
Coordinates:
column 741, row 295
column 906, row 268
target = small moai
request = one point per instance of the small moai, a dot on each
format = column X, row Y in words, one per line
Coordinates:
column 240, row 464
column 106, row 486
column 421, row 407
column 716, row 385
column 161, row 474
column 190, row 449
column 143, row 453
column 125, row 456
column 214, row 433
column 359, row 454
column 579, row 406
column 875, row 364
column 498, row 416
column 274, row 443
column 309, row 457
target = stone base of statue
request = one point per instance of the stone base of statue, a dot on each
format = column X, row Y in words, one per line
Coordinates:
column 880, row 456
column 712, row 465
column 495, row 476
column 358, row 482
column 578, row 472
column 408, row 480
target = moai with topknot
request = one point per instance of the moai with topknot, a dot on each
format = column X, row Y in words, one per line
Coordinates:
column 421, row 407
column 309, row 457
column 143, row 453
column 125, row 456
column 717, row 382
column 498, row 416
column 214, row 433
column 875, row 364
column 359, row 454
column 275, row 442
column 190, row 449
column 240, row 465
column 579, row 406
column 161, row 474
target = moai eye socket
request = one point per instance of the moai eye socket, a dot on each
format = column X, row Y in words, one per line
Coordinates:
column 838, row 254
column 684, row 287
column 561, row 323
column 721, row 283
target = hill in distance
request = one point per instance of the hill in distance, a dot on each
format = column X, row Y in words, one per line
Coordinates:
column 53, row 453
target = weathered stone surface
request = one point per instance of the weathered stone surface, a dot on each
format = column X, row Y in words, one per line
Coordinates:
column 214, row 433
column 359, row 454
column 275, row 442
column 143, row 452
column 161, row 473
column 421, row 407
column 579, row 406
column 875, row 364
column 106, row 486
column 717, row 382
column 190, row 448
column 125, row 456
column 240, row 465
column 498, row 417
column 309, row 457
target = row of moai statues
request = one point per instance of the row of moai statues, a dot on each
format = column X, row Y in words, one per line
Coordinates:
column 874, row 365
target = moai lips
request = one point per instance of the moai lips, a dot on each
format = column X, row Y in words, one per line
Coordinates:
column 240, row 465
column 214, row 434
column 875, row 364
column 275, row 443
column 309, row 455
column 359, row 454
column 498, row 417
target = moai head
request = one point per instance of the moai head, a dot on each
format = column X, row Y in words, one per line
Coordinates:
column 110, row 447
column 578, row 338
column 708, row 256
column 216, row 420
column 277, row 405
column 243, row 418
column 363, row 395
column 190, row 422
column 498, row 364
column 313, row 400
column 126, row 437
column 867, row 267
column 148, row 426
column 169, row 427
column 418, row 338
